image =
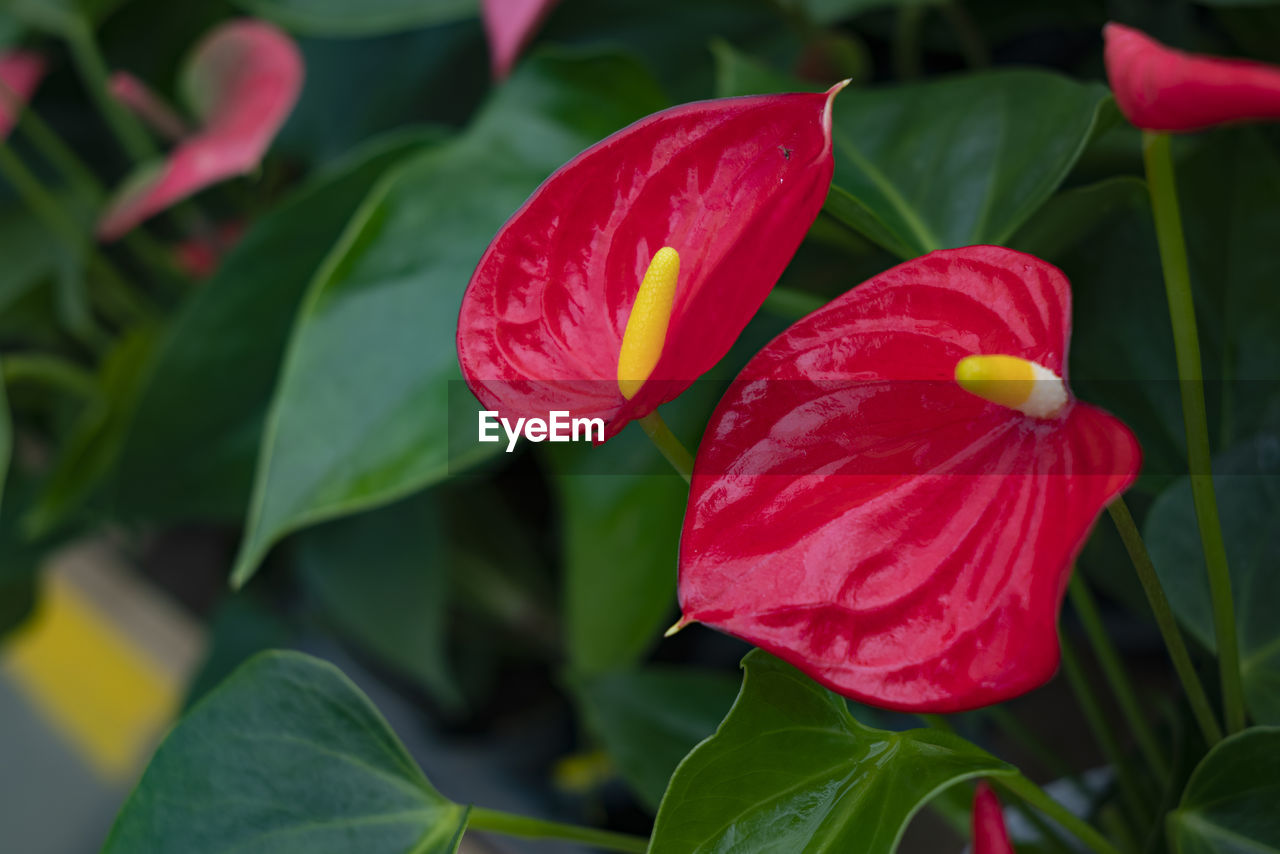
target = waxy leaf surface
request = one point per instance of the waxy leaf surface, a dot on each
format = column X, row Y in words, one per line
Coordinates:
column 287, row 757
column 951, row 162
column 241, row 82
column 732, row 185
column 361, row 414
column 858, row 513
column 790, row 769
column 1229, row 805
column 191, row 447
column 1247, row 482
column 1159, row 88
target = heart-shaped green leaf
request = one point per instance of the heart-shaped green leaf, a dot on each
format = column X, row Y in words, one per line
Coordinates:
column 361, row 414
column 951, row 162
column 344, row 19
column 286, row 757
column 190, row 451
column 791, row 770
column 1230, row 803
column 647, row 720
column 1247, row 483
column 382, row 578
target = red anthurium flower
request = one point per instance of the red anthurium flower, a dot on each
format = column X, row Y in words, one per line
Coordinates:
column 633, row 268
column 20, row 73
column 989, row 833
column 242, row 82
column 1162, row 89
column 509, row 25
column 892, row 492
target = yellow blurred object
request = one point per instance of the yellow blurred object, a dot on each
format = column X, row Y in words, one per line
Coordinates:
column 583, row 772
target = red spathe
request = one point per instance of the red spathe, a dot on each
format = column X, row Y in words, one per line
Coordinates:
column 732, row 185
column 989, row 833
column 1162, row 89
column 859, row 514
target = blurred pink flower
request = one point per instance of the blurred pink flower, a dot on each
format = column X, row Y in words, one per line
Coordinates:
column 242, row 82
column 510, row 24
column 20, row 72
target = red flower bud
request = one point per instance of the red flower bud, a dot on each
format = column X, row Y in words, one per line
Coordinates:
column 989, row 833
column 891, row 494
column 20, row 73
column 1162, row 89
column 509, row 25
column 705, row 203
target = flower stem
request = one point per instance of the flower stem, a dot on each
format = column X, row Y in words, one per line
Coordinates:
column 1126, row 776
column 50, row 371
column 661, row 436
column 536, row 828
column 1168, row 624
column 117, row 295
column 1112, row 668
column 1032, row 795
column 907, row 63
column 1182, row 315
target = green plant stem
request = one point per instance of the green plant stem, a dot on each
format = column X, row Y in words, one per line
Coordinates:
column 661, row 436
column 1032, row 795
column 1126, row 776
column 1165, row 619
column 89, row 63
column 1113, row 669
column 1182, row 315
column 535, row 828
column 49, row 371
column 117, row 295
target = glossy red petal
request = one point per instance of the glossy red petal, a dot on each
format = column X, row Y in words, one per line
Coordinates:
column 242, row 81
column 1162, row 89
column 732, row 185
column 20, row 73
column 857, row 513
column 989, row 833
column 510, row 25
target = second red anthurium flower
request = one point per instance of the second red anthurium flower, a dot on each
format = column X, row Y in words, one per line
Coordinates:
column 891, row 494
column 1159, row 88
column 633, row 268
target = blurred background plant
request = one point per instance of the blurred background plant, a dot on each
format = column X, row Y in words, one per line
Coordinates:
column 259, row 382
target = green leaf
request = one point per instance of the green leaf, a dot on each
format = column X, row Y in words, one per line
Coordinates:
column 959, row 161
column 1070, row 216
column 1229, row 805
column 648, row 719
column 1247, row 482
column 191, row 448
column 830, row 11
column 382, row 578
column 286, row 757
column 950, row 162
column 1228, row 188
column 343, row 18
column 361, row 413
column 791, row 770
